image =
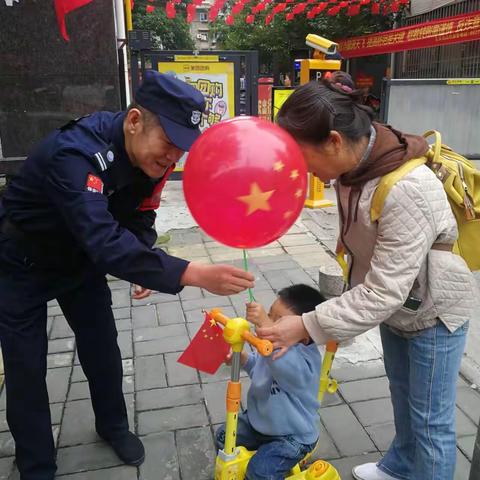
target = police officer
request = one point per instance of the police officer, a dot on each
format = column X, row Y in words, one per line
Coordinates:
column 83, row 206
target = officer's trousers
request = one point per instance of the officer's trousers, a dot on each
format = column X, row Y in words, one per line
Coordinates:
column 86, row 303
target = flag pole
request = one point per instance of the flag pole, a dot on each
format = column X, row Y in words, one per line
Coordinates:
column 245, row 266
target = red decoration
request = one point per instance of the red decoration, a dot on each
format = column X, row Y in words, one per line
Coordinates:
column 254, row 180
column 279, row 7
column 237, row 8
column 250, row 19
column 367, row 2
column 299, row 8
column 170, row 10
column 375, row 9
column 333, row 10
column 395, row 7
column 343, row 4
column 207, row 350
column 149, row 8
column 289, row 17
column 268, row 19
column 353, row 10
column 229, row 20
column 64, row 7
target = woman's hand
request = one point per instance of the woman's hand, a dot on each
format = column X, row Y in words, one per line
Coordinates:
column 287, row 331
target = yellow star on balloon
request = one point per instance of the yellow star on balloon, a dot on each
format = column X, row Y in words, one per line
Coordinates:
column 278, row 166
column 257, row 199
column 299, row 193
column 294, row 174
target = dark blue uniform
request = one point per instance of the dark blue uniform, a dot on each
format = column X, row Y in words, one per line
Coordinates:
column 78, row 210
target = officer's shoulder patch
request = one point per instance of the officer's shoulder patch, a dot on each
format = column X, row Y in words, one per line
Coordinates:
column 94, row 184
column 104, row 158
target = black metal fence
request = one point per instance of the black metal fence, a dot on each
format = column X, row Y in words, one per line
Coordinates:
column 461, row 60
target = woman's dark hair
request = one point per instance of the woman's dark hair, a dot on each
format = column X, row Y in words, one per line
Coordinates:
column 313, row 110
column 301, row 298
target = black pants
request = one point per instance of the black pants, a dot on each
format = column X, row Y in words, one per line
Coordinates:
column 85, row 300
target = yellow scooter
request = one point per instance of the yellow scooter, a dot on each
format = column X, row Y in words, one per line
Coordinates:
column 232, row 461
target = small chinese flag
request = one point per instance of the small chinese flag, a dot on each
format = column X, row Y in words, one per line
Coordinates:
column 208, row 350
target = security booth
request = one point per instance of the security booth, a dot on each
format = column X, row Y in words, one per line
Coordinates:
column 228, row 79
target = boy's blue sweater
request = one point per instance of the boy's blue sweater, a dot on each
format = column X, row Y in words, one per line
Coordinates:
column 282, row 399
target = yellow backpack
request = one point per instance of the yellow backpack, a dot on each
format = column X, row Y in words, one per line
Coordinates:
column 461, row 181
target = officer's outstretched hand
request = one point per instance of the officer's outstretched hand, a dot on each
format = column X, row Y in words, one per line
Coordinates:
column 140, row 292
column 218, row 279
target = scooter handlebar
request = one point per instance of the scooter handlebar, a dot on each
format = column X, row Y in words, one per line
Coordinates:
column 264, row 347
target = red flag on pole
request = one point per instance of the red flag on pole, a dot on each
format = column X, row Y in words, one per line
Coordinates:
column 62, row 8
column 208, row 350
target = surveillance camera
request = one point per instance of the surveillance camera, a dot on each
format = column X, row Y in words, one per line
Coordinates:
column 322, row 44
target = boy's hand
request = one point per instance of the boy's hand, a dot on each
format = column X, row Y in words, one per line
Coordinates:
column 243, row 358
column 257, row 315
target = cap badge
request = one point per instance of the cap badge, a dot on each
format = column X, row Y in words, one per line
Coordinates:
column 196, row 117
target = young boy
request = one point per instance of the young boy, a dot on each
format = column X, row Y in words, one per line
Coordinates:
column 281, row 422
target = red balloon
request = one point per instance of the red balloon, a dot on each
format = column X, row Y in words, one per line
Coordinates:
column 245, row 182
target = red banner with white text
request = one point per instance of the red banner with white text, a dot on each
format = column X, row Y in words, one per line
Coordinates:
column 461, row 28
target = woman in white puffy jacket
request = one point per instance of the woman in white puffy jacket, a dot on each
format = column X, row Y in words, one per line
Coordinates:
column 403, row 274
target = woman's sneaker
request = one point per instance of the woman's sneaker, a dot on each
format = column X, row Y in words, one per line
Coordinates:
column 370, row 471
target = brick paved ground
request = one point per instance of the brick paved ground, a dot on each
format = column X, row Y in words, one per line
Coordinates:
column 175, row 409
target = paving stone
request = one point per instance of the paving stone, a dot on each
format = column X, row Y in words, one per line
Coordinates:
column 119, row 285
column 468, row 400
column 190, row 293
column 205, row 303
column 123, row 325
column 268, row 268
column 121, row 313
column 6, row 467
column 297, row 275
column 150, row 373
column 193, row 327
column 215, row 400
column 344, row 465
column 196, row 453
column 125, row 343
column 168, row 397
column 56, row 412
column 7, row 445
column 464, row 425
column 115, row 473
column 277, row 280
column 78, row 426
column 154, row 333
column 325, row 447
column 60, row 329
column 172, row 419
column 144, row 316
column 162, row 345
column 330, row 400
column 161, row 461
column 83, row 458
column 170, row 313
column 373, row 412
column 78, row 391
column 346, row 431
column 349, row 372
column 365, row 389
column 127, row 366
column 58, row 360
column 265, row 297
column 61, row 345
column 57, row 383
column 78, row 375
column 467, row 445
column 121, row 298
column 3, row 421
column 225, row 257
column 128, row 384
column 462, row 470
column 266, row 252
column 54, row 311
column 258, row 261
column 178, row 374
column 313, row 259
column 382, row 435
column 297, row 239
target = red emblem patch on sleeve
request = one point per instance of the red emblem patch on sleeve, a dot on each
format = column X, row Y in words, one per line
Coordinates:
column 94, row 184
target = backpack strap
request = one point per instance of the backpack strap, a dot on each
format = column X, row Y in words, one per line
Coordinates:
column 388, row 181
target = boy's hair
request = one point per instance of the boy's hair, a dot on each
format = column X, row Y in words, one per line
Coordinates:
column 301, row 298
